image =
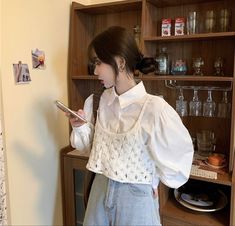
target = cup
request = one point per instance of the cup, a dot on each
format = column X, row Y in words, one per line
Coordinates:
column 210, row 21
column 192, row 22
column 224, row 20
column 206, row 142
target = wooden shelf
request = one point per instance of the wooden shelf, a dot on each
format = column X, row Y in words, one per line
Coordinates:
column 167, row 3
column 194, row 37
column 85, row 77
column 186, row 78
column 166, row 77
column 172, row 209
column 114, row 7
column 225, row 179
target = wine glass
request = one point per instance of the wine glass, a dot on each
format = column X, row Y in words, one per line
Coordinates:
column 209, row 106
column 198, row 64
column 181, row 104
column 195, row 105
column 224, row 106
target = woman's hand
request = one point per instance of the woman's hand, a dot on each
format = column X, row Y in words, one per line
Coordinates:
column 76, row 122
column 155, row 193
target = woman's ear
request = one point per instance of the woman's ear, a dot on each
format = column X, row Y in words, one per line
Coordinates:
column 121, row 63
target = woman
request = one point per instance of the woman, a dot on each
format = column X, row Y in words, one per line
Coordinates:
column 138, row 139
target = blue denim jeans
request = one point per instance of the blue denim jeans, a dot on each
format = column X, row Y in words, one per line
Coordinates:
column 112, row 203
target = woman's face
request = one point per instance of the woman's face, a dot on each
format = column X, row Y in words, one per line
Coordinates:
column 105, row 73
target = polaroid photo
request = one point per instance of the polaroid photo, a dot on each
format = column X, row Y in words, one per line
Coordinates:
column 21, row 73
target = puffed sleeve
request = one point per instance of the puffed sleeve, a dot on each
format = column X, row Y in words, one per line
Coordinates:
column 171, row 148
column 81, row 137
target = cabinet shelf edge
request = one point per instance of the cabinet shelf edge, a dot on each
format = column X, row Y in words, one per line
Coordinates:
column 196, row 37
column 166, row 77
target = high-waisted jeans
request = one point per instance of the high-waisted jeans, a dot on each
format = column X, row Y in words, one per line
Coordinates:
column 112, row 203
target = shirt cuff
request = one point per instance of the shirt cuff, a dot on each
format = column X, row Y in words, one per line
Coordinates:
column 83, row 127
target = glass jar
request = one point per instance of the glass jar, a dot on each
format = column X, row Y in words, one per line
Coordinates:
column 178, row 67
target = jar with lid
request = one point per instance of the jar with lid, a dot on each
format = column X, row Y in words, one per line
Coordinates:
column 162, row 62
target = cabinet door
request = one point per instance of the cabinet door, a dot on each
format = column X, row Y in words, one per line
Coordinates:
column 74, row 174
column 79, row 183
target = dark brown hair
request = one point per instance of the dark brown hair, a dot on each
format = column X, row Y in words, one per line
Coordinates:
column 117, row 41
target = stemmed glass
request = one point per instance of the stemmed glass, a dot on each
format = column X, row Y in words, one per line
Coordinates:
column 181, row 104
column 209, row 106
column 224, row 106
column 195, row 105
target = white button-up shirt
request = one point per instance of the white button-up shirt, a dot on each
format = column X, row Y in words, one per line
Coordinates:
column 162, row 130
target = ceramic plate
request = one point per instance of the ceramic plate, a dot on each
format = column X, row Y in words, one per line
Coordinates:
column 195, row 201
column 220, row 204
column 215, row 167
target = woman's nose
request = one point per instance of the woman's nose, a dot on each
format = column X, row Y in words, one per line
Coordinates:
column 95, row 70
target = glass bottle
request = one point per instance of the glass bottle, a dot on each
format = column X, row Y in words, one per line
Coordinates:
column 162, row 60
column 136, row 30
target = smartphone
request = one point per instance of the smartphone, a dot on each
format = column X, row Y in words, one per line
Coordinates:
column 64, row 108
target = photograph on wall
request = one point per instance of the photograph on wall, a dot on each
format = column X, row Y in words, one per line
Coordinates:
column 21, row 73
column 38, row 59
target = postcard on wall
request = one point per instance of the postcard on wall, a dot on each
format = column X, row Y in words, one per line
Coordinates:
column 38, row 59
column 21, row 73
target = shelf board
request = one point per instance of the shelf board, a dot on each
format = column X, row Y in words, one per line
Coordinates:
column 167, row 3
column 224, row 179
column 166, row 77
column 186, row 78
column 196, row 37
column 113, row 7
column 172, row 209
column 85, row 77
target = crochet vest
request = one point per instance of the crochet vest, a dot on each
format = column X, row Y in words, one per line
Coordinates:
column 122, row 156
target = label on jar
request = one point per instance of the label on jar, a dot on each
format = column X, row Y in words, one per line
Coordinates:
column 166, row 27
column 179, row 26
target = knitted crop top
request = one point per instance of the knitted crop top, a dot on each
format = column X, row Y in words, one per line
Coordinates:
column 122, row 156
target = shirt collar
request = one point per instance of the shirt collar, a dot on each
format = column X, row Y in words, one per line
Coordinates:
column 130, row 96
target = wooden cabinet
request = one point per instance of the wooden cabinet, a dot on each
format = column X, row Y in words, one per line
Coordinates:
column 87, row 21
column 75, row 179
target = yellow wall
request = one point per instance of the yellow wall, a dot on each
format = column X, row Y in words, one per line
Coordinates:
column 34, row 130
